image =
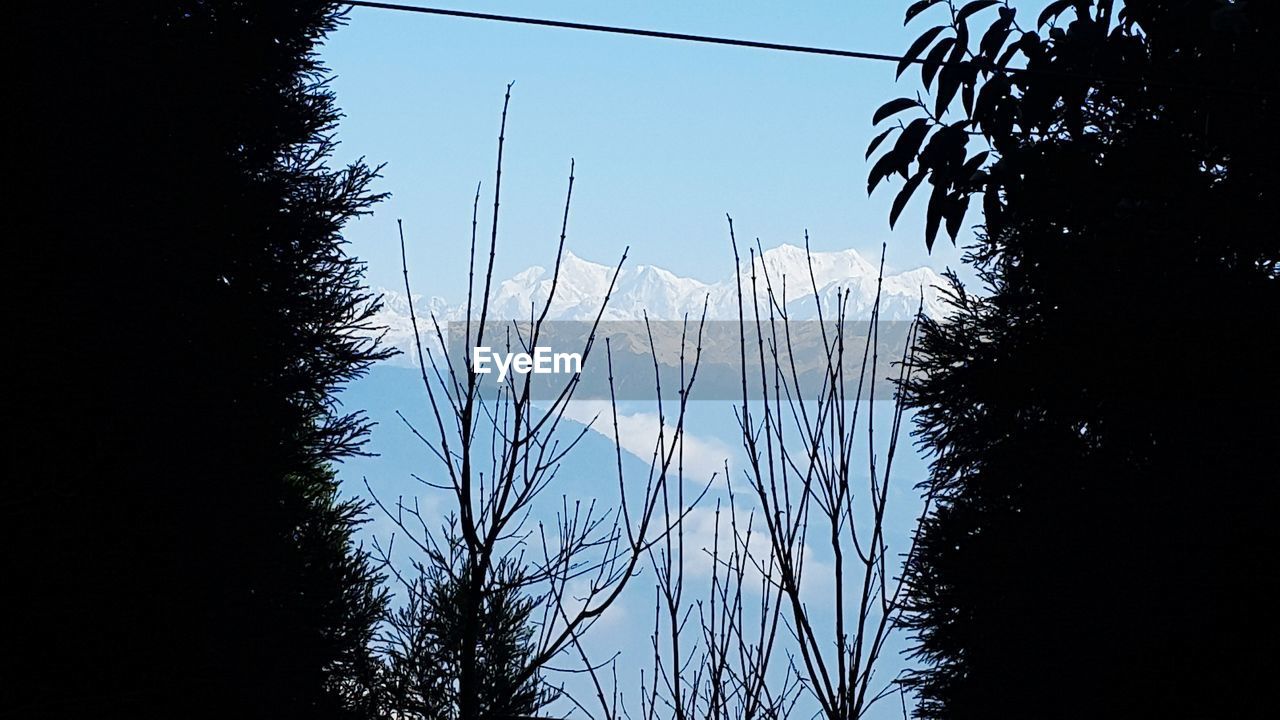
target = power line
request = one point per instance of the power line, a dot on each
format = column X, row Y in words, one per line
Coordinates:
column 785, row 47
column 807, row 49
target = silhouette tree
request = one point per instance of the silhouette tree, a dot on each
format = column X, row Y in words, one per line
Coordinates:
column 1100, row 415
column 424, row 644
column 188, row 312
column 499, row 446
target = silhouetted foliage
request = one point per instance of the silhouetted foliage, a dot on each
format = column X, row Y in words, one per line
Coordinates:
column 1101, row 417
column 425, row 638
column 186, row 314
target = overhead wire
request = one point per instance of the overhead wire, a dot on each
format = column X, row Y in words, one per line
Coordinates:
column 783, row 47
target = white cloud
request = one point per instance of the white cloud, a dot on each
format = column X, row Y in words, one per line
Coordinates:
column 700, row 540
column 703, row 456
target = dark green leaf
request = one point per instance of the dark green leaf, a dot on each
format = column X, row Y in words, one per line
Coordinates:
column 918, row 47
column 1053, row 10
column 933, row 60
column 957, row 207
column 972, row 164
column 918, row 7
column 903, row 196
column 908, row 144
column 891, row 108
column 933, row 216
column 991, row 209
column 948, row 83
column 993, row 91
column 962, row 41
column 1008, row 54
column 881, row 170
column 994, row 39
column 973, row 7
column 875, row 142
column 944, row 152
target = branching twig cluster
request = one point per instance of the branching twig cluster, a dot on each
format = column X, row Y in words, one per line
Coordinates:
column 499, row 451
column 765, row 638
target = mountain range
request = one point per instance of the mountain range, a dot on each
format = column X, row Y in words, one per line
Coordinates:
column 662, row 295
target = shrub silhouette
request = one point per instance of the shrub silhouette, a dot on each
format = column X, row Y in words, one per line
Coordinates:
column 188, row 313
column 1099, row 416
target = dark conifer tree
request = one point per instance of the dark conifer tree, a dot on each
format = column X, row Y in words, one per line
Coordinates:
column 1103, row 416
column 425, row 644
column 184, row 314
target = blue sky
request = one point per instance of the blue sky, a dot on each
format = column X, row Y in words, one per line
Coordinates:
column 668, row 136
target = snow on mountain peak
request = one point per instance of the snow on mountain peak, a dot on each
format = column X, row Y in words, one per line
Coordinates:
column 648, row 290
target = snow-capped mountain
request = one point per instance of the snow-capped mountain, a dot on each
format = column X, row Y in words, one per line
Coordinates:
column 662, row 295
